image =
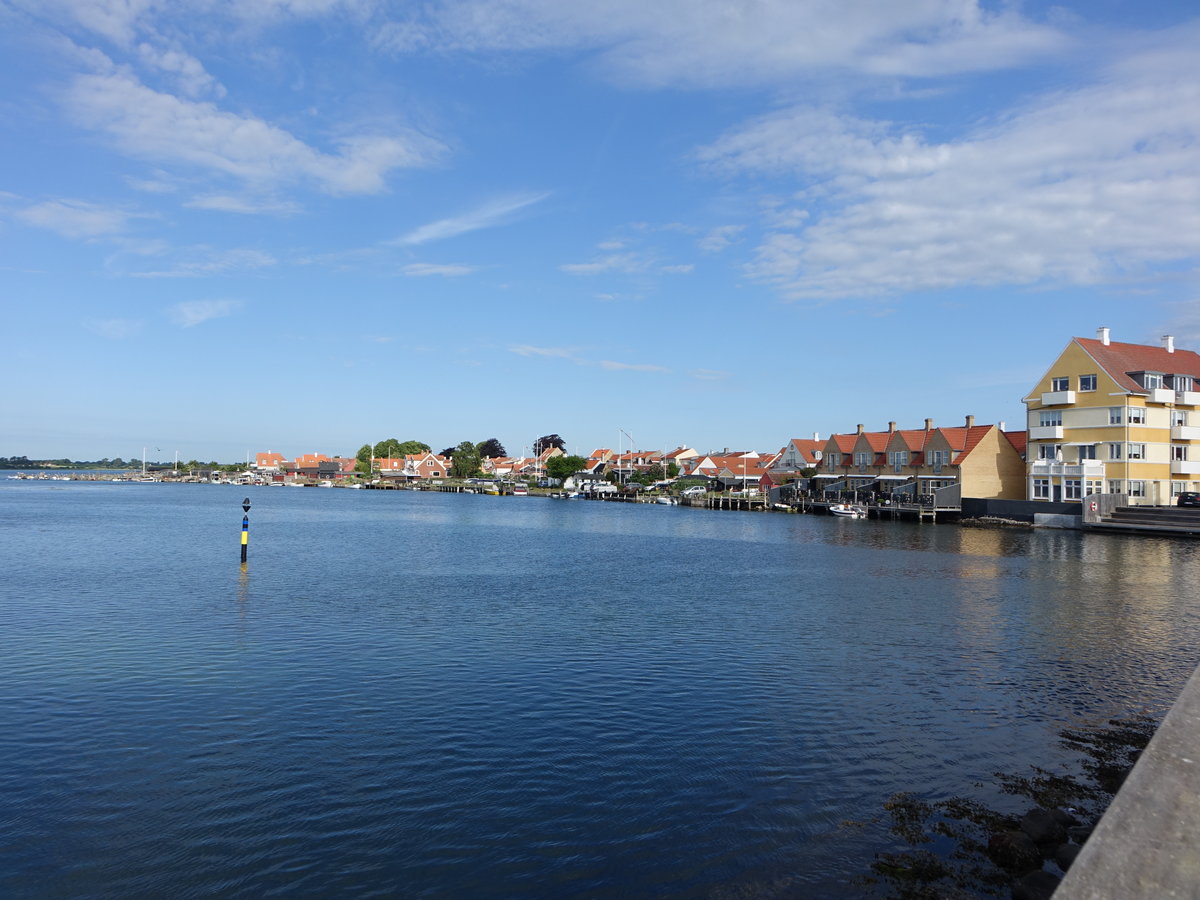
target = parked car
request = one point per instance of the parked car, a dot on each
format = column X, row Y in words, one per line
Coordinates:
column 1188, row 498
column 696, row 491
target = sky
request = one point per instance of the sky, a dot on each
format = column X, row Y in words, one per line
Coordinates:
column 306, row 225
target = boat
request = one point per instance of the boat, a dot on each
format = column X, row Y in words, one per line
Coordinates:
column 667, row 501
column 848, row 511
column 492, row 488
column 520, row 490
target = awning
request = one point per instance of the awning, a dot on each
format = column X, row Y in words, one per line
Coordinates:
column 893, row 478
column 829, row 476
column 939, row 477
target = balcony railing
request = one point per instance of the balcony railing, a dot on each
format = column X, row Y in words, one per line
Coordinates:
column 1185, row 467
column 1046, row 433
column 1187, row 398
column 1085, row 468
column 1185, row 432
column 1162, row 395
column 1057, row 398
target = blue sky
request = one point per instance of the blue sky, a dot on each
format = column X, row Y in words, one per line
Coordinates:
column 304, row 225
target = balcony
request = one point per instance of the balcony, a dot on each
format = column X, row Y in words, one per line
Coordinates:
column 1187, row 398
column 1185, row 432
column 1057, row 398
column 1046, row 433
column 1085, row 468
column 1161, row 395
column 1185, row 467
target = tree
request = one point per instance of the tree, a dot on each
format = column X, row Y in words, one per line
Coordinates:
column 563, row 467
column 550, row 440
column 409, row 447
column 364, row 457
column 491, row 449
column 672, row 470
column 448, row 452
column 465, row 460
column 389, row 449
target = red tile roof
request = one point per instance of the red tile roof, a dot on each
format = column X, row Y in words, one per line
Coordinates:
column 1118, row 359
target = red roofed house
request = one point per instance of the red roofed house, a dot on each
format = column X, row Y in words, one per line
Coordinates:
column 1116, row 418
column 271, row 461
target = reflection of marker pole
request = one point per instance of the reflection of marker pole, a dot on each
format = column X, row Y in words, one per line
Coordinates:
column 245, row 527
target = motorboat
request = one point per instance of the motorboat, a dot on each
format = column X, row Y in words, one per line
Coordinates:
column 848, row 511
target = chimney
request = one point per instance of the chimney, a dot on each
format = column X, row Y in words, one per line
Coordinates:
column 816, row 435
column 970, row 421
column 860, row 429
column 1102, row 335
column 929, row 424
column 891, row 427
column 1000, row 425
column 1168, row 342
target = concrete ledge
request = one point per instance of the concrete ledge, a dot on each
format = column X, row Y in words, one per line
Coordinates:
column 1146, row 845
column 1054, row 520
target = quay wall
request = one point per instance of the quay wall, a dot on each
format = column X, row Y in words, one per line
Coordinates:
column 1017, row 510
column 1145, row 845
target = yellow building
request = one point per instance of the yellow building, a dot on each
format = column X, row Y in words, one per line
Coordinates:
column 1115, row 418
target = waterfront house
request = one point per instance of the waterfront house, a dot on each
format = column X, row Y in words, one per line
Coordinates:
column 797, row 454
column 272, row 461
column 1117, row 418
column 836, row 458
column 419, row 466
column 979, row 461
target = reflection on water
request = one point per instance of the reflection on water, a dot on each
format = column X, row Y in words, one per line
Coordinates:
column 459, row 695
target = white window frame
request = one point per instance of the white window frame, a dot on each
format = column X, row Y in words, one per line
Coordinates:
column 1179, row 452
column 1114, row 486
column 1178, row 487
column 1136, row 415
column 1087, row 382
column 1115, row 415
column 1087, row 451
column 1072, row 489
column 1041, row 489
column 1179, row 417
column 1152, row 381
column 1183, row 382
column 1062, row 383
column 1049, row 417
column 1137, row 488
column 1135, row 451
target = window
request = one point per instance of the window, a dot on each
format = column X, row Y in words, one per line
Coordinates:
column 1179, row 452
column 862, row 460
column 1137, row 415
column 1114, row 415
column 1114, row 451
column 1048, row 417
column 1182, row 382
column 1048, row 451
column 1060, row 384
column 1152, row 381
column 1178, row 417
column 1114, row 486
column 1178, row 487
column 835, row 460
column 1135, row 451
column 1041, row 489
column 1087, row 451
column 939, row 458
column 1094, row 487
column 897, row 459
column 1137, row 489
column 1072, row 489
column 1087, row 382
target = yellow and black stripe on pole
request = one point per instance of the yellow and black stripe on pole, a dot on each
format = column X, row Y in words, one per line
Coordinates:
column 245, row 527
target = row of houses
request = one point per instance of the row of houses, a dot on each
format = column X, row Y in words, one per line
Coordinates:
column 1106, row 417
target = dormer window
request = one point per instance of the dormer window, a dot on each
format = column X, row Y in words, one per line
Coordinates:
column 1182, row 382
column 1151, row 380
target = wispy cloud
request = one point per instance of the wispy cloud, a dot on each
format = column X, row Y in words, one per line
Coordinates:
column 489, row 215
column 631, row 367
column 709, row 374
column 75, row 218
column 448, row 271
column 208, row 261
column 243, row 205
column 528, row 350
column 160, row 127
column 193, row 312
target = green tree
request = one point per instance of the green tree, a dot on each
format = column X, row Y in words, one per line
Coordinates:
column 563, row 467
column 672, row 470
column 364, row 457
column 407, row 447
column 549, row 440
column 465, row 461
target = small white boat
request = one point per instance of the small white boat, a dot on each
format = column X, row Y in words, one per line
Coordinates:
column 847, row 511
column 667, row 501
column 520, row 490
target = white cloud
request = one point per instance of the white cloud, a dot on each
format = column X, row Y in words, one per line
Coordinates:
column 188, row 71
column 529, row 350
column 193, row 312
column 679, row 269
column 715, row 43
column 207, row 261
column 1080, row 187
column 627, row 263
column 631, row 367
column 226, row 203
column 163, row 128
column 718, row 239
column 75, row 218
column 448, row 271
column 489, row 215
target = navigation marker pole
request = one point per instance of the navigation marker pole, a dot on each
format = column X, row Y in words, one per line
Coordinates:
column 245, row 527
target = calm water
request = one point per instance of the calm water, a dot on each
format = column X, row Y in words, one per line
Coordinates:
column 434, row 695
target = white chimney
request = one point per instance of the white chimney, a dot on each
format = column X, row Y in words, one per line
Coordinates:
column 1000, row 425
column 1168, row 341
column 816, row 435
column 1102, row 336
